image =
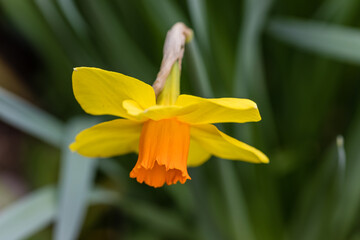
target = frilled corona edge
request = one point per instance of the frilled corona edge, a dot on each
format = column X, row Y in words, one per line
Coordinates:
column 163, row 152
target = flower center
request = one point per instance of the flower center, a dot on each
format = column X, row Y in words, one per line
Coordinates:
column 163, row 153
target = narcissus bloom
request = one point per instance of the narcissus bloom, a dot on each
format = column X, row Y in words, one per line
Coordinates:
column 169, row 132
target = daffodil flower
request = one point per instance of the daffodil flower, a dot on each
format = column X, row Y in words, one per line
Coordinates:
column 169, row 133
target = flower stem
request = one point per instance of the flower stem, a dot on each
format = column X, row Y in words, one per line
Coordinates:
column 175, row 40
column 171, row 90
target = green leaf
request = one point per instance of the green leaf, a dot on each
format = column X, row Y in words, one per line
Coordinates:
column 27, row 216
column 198, row 69
column 29, row 21
column 314, row 206
column 114, row 41
column 76, row 180
column 346, row 212
column 37, row 210
column 197, row 10
column 341, row 43
column 338, row 11
column 246, row 66
column 26, row 117
column 104, row 196
column 235, row 201
column 249, row 80
column 164, row 14
column 113, row 170
column 73, row 47
column 163, row 220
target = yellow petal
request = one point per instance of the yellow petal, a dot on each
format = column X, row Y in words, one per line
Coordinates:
column 218, row 110
column 108, row 139
column 101, row 92
column 224, row 146
column 197, row 154
column 156, row 112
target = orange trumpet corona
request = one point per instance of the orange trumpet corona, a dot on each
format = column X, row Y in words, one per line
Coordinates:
column 163, row 152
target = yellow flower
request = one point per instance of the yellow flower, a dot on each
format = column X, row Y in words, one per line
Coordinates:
column 169, row 133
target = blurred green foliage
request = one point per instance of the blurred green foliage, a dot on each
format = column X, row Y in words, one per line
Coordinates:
column 298, row 60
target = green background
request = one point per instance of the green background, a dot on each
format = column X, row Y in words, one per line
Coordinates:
column 298, row 60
